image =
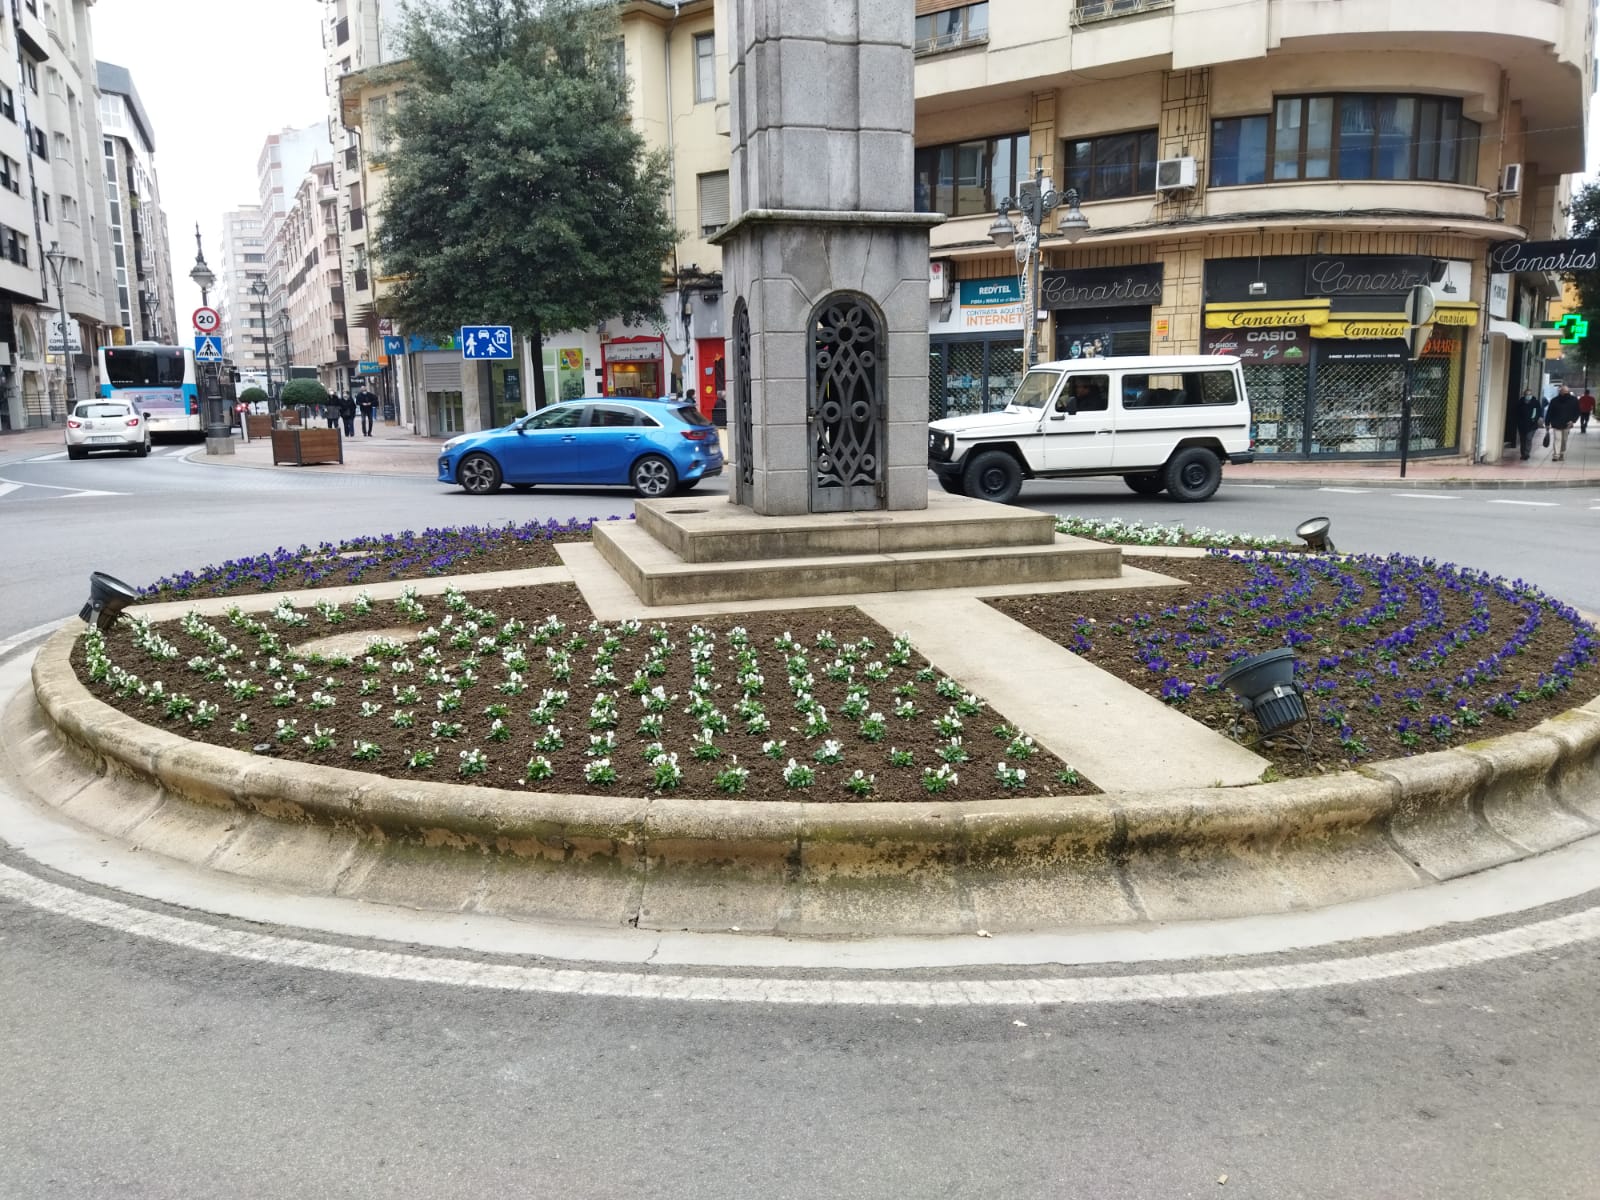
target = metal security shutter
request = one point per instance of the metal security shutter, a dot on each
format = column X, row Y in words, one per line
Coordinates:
column 441, row 376
column 713, row 201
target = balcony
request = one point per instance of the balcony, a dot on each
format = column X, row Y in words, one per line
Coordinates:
column 1088, row 11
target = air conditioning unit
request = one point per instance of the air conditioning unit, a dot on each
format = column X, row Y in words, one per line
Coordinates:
column 1176, row 175
column 1511, row 179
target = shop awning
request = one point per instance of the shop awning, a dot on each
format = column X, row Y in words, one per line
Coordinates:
column 1510, row 330
column 1365, row 329
column 1266, row 314
column 1456, row 313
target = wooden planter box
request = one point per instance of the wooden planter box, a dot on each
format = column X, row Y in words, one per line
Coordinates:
column 302, row 447
column 289, row 416
column 257, row 425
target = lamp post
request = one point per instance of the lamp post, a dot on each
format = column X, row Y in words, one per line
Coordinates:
column 258, row 289
column 219, row 431
column 57, row 258
column 1034, row 201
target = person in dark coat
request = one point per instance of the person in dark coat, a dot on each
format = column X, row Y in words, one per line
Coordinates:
column 330, row 411
column 347, row 413
column 1525, row 415
column 1563, row 415
column 367, row 402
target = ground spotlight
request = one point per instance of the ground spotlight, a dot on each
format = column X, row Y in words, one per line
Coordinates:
column 1316, row 533
column 1264, row 684
column 108, row 596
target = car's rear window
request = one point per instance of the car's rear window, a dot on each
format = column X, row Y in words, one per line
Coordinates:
column 102, row 410
column 690, row 415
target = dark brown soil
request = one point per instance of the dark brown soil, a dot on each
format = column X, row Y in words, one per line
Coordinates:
column 1372, row 693
column 185, row 673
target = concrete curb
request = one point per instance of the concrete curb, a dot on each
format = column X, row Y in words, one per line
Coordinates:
column 1418, row 485
column 827, row 869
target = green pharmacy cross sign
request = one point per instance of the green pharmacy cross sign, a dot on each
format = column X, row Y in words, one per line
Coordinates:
column 1573, row 329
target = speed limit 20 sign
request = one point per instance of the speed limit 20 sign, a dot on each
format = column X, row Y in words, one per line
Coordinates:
column 206, row 320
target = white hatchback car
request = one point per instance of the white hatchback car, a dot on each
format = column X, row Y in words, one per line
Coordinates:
column 107, row 425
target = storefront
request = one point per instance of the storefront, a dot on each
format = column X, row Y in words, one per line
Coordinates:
column 634, row 366
column 1326, row 357
column 975, row 356
column 1102, row 312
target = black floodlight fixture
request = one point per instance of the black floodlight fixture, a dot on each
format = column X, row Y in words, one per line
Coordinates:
column 1264, row 683
column 108, row 596
column 1316, row 534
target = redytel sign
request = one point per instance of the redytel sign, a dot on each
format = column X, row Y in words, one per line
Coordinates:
column 1563, row 257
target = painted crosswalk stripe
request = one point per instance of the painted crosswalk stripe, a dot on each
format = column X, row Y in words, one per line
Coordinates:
column 1424, row 496
column 1529, row 503
column 1346, row 491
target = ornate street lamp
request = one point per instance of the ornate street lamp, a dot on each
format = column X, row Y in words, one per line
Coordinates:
column 259, row 290
column 1034, row 201
column 57, row 258
column 202, row 275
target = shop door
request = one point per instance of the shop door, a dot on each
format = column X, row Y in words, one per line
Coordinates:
column 708, row 356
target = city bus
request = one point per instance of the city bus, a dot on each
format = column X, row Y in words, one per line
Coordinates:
column 159, row 380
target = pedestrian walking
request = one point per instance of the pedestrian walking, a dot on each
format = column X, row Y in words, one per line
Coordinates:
column 1562, row 416
column 1585, row 410
column 330, row 411
column 367, row 402
column 1525, row 413
column 347, row 413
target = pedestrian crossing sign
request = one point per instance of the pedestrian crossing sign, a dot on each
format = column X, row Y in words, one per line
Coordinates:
column 207, row 348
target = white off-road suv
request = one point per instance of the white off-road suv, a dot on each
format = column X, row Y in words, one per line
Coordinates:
column 1163, row 424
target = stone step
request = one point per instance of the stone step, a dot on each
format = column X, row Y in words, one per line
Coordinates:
column 706, row 531
column 659, row 577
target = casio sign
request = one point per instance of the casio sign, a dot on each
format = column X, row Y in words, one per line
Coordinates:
column 1272, row 335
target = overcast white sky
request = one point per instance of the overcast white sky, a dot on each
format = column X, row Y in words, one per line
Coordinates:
column 216, row 77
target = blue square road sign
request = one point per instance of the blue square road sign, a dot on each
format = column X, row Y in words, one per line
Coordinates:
column 486, row 341
column 207, row 347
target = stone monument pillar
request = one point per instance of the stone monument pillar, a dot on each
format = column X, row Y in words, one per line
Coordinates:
column 825, row 263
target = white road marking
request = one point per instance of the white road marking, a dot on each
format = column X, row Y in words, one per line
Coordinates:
column 57, row 457
column 80, row 494
column 1346, row 491
column 1529, row 503
column 1425, row 496
column 72, row 492
column 281, row 951
column 1264, row 486
column 8, row 487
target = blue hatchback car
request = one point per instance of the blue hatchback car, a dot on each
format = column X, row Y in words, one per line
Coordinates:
column 655, row 446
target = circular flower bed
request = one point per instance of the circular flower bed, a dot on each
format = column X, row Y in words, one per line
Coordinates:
column 1395, row 655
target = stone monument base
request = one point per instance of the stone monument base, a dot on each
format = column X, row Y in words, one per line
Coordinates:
column 690, row 551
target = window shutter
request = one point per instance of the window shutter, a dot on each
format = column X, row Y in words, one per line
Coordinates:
column 441, row 376
column 713, row 201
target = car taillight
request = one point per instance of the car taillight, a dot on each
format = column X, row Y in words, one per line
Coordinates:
column 74, row 425
column 131, row 421
column 698, row 435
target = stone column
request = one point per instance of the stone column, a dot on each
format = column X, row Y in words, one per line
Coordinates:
column 821, row 191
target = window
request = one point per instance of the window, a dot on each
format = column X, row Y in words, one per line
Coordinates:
column 69, row 209
column 11, row 175
column 713, row 201
column 8, row 104
column 63, row 147
column 953, row 28
column 705, row 68
column 617, row 50
column 37, row 142
column 30, row 72
column 1347, row 137
column 1120, row 164
column 1084, row 393
column 44, row 201
column 13, row 245
column 566, row 417
column 601, row 417
column 968, row 178
column 1188, row 390
column 378, row 126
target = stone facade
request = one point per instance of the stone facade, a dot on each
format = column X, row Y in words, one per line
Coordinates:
column 821, row 186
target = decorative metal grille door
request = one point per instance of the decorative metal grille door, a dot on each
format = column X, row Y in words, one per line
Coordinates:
column 846, row 407
column 744, row 419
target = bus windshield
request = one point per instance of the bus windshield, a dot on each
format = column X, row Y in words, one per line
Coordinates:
column 142, row 366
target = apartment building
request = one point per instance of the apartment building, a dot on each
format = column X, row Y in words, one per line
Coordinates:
column 52, row 192
column 309, row 236
column 140, row 245
column 242, row 265
column 286, row 158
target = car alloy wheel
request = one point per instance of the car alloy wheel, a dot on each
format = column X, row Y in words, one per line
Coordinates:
column 653, row 476
column 478, row 474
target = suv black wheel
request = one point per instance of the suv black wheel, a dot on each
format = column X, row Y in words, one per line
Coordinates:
column 994, row 476
column 478, row 474
column 951, row 485
column 1149, row 484
column 1193, row 474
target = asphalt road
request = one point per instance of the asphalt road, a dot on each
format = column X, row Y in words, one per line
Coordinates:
column 130, row 1068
